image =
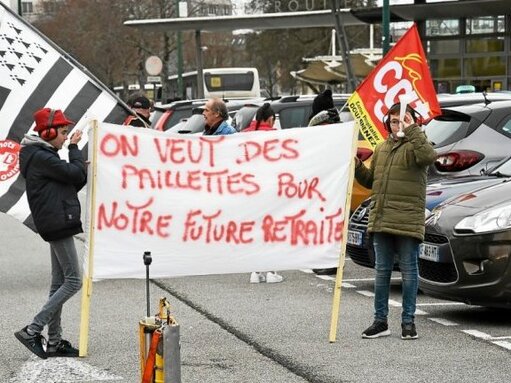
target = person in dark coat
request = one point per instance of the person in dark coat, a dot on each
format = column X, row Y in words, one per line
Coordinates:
column 141, row 105
column 324, row 112
column 52, row 186
column 397, row 179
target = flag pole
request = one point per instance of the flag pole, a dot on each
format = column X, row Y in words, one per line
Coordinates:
column 91, row 224
column 336, row 302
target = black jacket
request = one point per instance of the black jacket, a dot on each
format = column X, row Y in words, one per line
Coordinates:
column 52, row 186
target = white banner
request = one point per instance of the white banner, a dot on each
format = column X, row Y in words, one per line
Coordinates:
column 255, row 201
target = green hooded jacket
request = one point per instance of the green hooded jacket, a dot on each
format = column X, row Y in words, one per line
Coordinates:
column 397, row 177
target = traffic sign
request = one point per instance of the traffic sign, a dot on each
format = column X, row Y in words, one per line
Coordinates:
column 153, row 78
column 153, row 66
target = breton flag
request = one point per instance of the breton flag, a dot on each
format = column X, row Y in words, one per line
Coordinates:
column 403, row 71
column 35, row 73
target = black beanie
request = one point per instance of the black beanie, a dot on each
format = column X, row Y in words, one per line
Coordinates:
column 322, row 101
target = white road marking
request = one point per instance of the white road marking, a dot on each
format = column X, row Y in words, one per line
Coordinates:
column 348, row 285
column 67, row 370
column 477, row 334
column 503, row 343
column 366, row 293
column 441, row 304
column 444, row 322
column 394, row 303
column 420, row 312
column 367, row 279
column 326, row 277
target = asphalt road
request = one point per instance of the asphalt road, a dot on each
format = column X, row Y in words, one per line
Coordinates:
column 233, row 331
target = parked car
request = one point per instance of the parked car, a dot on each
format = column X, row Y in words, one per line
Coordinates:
column 195, row 123
column 166, row 116
column 358, row 244
column 470, row 138
column 466, row 255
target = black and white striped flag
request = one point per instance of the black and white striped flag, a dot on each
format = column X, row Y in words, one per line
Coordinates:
column 35, row 73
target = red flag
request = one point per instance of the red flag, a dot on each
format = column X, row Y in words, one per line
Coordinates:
column 403, row 71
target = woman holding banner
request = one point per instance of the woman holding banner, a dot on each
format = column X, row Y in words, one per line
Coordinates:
column 264, row 120
column 397, row 177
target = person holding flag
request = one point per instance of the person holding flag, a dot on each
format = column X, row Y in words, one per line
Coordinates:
column 397, row 177
column 52, row 186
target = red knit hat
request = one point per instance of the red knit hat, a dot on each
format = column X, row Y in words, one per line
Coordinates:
column 47, row 118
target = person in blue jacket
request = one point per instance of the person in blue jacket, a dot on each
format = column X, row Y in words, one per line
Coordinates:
column 52, row 186
column 216, row 115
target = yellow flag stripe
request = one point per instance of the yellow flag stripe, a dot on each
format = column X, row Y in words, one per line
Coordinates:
column 365, row 123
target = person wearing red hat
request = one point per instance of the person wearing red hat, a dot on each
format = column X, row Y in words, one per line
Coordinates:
column 52, row 186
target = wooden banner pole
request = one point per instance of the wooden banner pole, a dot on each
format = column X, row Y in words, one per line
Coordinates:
column 336, row 303
column 88, row 270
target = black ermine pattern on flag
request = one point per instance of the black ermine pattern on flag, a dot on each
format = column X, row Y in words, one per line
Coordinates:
column 36, row 73
column 38, row 99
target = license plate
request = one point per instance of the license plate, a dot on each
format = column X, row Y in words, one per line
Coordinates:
column 429, row 252
column 354, row 238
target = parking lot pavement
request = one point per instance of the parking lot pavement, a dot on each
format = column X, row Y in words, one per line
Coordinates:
column 233, row 331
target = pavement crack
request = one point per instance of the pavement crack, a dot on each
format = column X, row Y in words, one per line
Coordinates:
column 287, row 363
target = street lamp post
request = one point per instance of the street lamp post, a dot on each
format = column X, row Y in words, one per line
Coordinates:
column 386, row 28
column 20, row 10
column 179, row 58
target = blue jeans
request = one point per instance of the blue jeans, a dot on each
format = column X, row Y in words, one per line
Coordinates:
column 406, row 249
column 66, row 281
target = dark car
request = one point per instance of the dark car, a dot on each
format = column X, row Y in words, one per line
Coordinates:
column 358, row 244
column 466, row 254
column 470, row 138
column 291, row 111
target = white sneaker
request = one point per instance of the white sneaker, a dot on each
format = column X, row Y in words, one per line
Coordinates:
column 256, row 277
column 273, row 277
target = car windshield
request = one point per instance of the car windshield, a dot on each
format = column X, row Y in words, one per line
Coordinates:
column 243, row 117
column 503, row 169
column 193, row 124
column 443, row 131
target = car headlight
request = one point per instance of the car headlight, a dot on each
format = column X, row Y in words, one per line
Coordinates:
column 494, row 219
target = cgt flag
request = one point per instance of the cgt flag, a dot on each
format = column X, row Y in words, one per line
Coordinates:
column 403, row 71
column 35, row 73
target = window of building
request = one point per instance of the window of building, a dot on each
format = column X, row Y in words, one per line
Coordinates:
column 442, row 27
column 443, row 46
column 27, row 7
column 486, row 24
column 485, row 66
column 482, row 45
column 446, row 67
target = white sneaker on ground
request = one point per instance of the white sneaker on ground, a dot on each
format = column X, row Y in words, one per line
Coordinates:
column 256, row 277
column 273, row 277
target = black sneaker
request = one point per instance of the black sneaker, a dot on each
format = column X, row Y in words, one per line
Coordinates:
column 408, row 331
column 64, row 349
column 34, row 343
column 330, row 271
column 376, row 330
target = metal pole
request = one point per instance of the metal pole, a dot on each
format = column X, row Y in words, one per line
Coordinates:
column 386, row 28
column 147, row 263
column 344, row 46
column 179, row 58
column 20, row 8
column 200, row 74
